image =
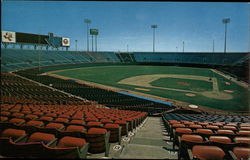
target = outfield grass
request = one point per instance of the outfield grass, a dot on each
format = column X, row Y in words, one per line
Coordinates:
column 110, row 75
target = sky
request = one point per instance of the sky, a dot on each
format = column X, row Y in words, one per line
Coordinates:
column 127, row 25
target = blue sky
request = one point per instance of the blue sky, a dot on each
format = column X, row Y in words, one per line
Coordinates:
column 128, row 23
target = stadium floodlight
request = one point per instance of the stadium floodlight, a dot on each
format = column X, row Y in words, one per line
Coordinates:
column 87, row 21
column 154, row 26
column 225, row 21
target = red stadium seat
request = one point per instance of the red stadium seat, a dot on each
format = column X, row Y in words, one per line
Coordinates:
column 187, row 141
column 31, row 116
column 3, row 119
column 124, row 126
column 179, row 132
column 243, row 140
column 94, row 124
column 17, row 121
column 35, row 123
column 58, row 126
column 204, row 152
column 18, row 115
column 77, row 121
column 75, row 128
column 240, row 153
column 67, row 147
column 99, row 140
column 115, row 132
column 13, row 133
column 104, row 121
column 243, row 133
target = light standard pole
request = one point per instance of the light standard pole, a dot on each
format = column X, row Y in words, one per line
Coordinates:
column 87, row 21
column 154, row 26
column 76, row 45
column 213, row 45
column 225, row 21
column 183, row 46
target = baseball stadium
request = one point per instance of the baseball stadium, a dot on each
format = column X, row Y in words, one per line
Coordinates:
column 61, row 101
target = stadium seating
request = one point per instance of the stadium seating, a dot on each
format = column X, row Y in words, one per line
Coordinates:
column 109, row 98
column 41, row 122
column 28, row 58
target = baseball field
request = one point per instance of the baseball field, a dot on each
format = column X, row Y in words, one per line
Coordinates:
column 199, row 86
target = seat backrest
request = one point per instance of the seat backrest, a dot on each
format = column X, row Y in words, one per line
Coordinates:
column 204, row 131
column 242, row 140
column 222, row 131
column 242, row 153
column 220, row 139
column 192, row 138
column 55, row 125
column 244, row 132
column 75, row 128
column 68, row 141
column 17, row 121
column 13, row 133
column 195, row 126
column 178, row 125
column 35, row 123
column 204, row 152
column 183, row 130
column 41, row 137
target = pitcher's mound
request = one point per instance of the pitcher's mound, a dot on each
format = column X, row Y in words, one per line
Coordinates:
column 190, row 94
column 229, row 91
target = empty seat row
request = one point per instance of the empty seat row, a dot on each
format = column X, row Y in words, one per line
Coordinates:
column 16, row 143
column 223, row 144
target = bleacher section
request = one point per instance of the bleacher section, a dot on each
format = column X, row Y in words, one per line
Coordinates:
column 17, row 90
column 41, row 122
column 189, row 57
column 16, row 59
column 213, row 136
column 62, row 131
column 109, row 98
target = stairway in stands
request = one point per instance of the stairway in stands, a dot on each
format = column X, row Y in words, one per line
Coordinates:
column 149, row 142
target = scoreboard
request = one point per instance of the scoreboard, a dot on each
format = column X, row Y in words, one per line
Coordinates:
column 31, row 38
column 19, row 37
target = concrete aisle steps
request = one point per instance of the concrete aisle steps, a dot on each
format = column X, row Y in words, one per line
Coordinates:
column 149, row 142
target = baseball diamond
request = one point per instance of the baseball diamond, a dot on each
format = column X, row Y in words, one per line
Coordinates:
column 210, row 92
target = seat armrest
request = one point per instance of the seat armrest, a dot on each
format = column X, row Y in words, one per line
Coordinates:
column 190, row 154
column 107, row 135
column 127, row 129
column 52, row 143
column 120, row 137
column 22, row 138
column 233, row 156
column 82, row 152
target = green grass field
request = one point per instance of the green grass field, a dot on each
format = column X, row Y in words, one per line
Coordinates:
column 111, row 75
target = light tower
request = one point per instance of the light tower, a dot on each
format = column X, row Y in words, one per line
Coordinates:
column 183, row 44
column 87, row 21
column 154, row 26
column 225, row 21
column 76, row 44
